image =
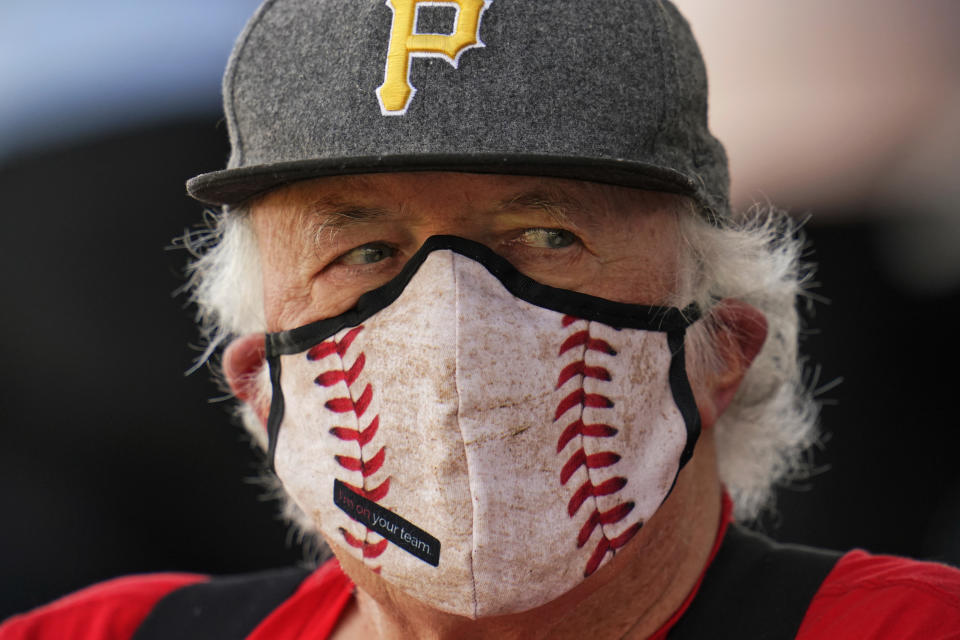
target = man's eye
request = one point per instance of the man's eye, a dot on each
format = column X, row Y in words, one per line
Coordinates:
column 548, row 238
column 367, row 254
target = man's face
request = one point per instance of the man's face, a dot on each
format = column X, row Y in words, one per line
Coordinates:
column 327, row 241
column 452, row 389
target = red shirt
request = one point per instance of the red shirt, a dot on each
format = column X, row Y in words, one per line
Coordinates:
column 867, row 596
column 864, row 596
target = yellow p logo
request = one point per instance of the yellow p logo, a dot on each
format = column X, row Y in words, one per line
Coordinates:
column 396, row 91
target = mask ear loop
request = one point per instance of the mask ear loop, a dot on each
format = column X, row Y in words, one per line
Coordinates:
column 275, row 417
column 682, row 391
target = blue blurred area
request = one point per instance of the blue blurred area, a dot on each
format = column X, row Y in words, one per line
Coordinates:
column 71, row 70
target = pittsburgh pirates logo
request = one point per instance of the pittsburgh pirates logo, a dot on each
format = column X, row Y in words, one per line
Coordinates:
column 396, row 92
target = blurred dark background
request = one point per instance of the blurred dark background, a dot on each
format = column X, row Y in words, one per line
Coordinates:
column 116, row 462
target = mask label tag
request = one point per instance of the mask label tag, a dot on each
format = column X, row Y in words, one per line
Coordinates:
column 400, row 532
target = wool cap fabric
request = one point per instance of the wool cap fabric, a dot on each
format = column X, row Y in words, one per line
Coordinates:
column 612, row 91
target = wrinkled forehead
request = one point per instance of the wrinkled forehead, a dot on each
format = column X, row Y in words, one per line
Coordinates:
column 344, row 200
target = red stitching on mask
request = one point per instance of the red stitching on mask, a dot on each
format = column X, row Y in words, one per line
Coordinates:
column 592, row 461
column 330, row 378
column 582, row 338
column 579, row 371
column 347, row 404
column 610, row 516
column 363, row 437
column 376, row 494
column 580, row 398
column 580, row 368
column 358, row 405
column 367, row 549
column 329, row 347
column 609, row 544
column 578, row 428
column 589, row 490
column 365, row 467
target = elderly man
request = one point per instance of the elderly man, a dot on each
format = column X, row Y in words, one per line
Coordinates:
column 507, row 349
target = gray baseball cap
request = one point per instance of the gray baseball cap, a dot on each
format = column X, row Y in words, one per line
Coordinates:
column 611, row 91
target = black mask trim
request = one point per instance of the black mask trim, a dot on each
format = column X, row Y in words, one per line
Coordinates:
column 683, row 393
column 619, row 315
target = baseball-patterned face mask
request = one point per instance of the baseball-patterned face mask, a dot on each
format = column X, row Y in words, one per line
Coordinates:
column 482, row 441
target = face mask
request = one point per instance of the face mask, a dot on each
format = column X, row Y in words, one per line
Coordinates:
column 482, row 441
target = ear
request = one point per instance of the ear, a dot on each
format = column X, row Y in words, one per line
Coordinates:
column 740, row 334
column 243, row 360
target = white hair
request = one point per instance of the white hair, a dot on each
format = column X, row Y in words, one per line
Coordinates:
column 771, row 422
column 755, row 258
column 225, row 281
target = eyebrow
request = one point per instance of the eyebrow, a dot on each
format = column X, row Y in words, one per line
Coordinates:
column 331, row 216
column 560, row 206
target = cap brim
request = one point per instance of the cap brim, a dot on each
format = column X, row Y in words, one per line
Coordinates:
column 231, row 187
